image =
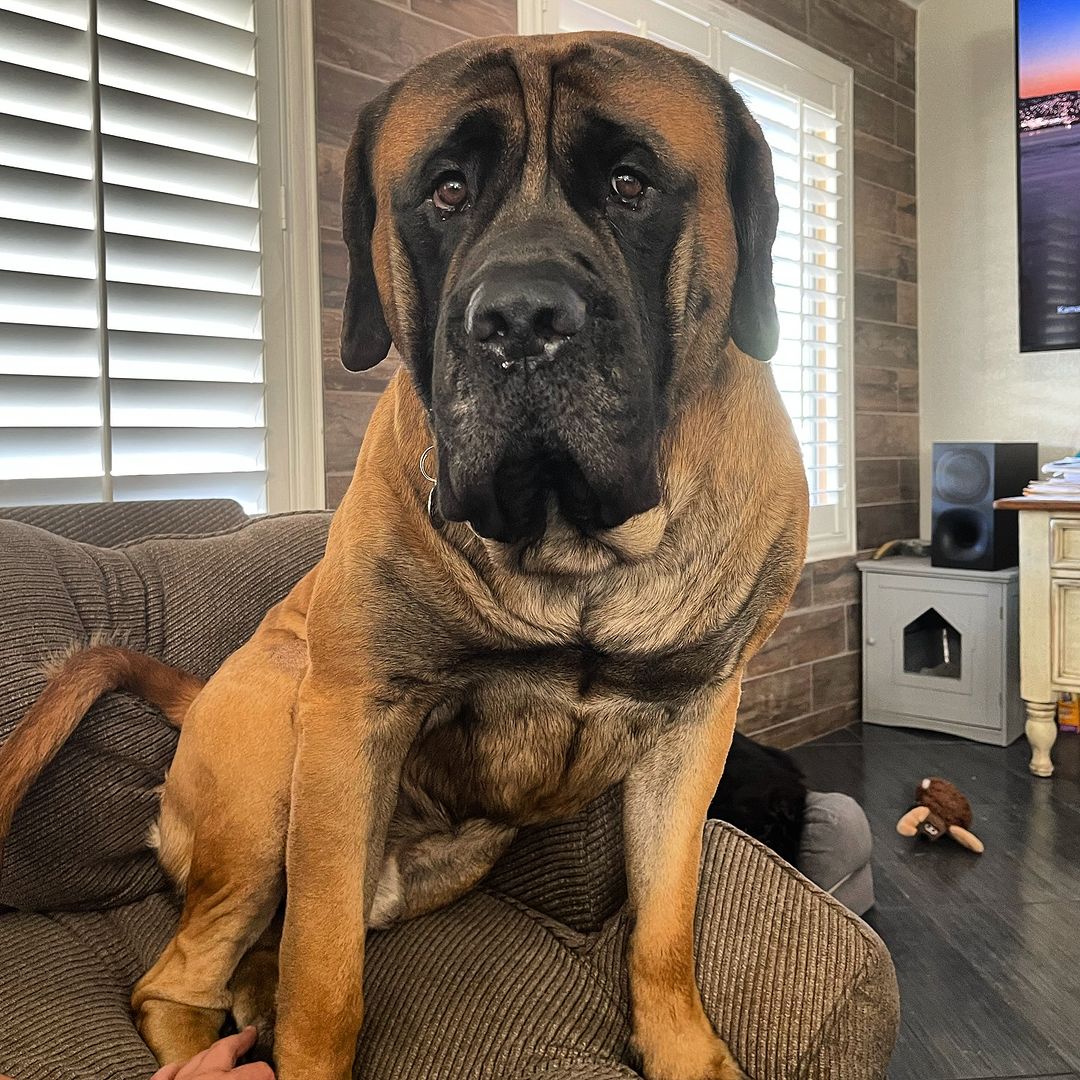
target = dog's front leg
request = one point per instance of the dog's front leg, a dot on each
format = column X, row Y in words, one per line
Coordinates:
column 666, row 798
column 349, row 755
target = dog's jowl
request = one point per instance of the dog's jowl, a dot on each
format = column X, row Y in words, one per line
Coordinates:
column 568, row 240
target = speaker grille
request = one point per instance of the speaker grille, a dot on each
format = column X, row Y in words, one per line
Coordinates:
column 962, row 476
column 963, row 535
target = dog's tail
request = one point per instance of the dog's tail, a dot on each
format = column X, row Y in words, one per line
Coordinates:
column 75, row 684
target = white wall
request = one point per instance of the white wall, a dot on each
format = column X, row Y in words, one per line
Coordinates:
column 973, row 381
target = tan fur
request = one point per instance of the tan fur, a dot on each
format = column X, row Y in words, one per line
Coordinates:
column 226, row 792
column 674, row 785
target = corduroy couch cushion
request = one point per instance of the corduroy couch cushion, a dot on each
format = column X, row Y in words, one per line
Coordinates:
column 521, row 980
column 78, row 841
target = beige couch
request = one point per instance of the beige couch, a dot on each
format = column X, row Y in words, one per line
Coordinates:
column 521, row 980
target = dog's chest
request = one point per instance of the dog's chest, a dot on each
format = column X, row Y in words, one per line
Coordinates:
column 537, row 734
column 562, row 691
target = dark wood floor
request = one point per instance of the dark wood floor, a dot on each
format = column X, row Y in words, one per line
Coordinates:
column 987, row 948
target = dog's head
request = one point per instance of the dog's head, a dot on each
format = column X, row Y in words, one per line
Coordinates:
column 556, row 232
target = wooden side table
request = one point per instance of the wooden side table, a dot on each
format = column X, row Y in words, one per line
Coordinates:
column 1049, row 614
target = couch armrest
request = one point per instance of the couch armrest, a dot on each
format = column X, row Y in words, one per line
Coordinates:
column 799, row 985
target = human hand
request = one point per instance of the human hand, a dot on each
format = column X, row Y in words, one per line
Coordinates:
column 219, row 1061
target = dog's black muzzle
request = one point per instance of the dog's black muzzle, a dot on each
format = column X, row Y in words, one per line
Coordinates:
column 542, row 397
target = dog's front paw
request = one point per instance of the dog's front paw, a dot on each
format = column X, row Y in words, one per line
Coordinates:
column 693, row 1055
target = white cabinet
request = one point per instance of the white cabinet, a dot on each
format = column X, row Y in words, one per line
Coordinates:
column 1049, row 615
column 940, row 649
column 1065, row 632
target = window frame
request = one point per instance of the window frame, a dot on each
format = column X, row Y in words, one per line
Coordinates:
column 292, row 295
column 833, row 535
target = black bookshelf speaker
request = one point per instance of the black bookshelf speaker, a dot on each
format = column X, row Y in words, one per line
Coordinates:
column 968, row 533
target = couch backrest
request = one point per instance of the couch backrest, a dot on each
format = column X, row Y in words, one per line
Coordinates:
column 109, row 524
column 79, row 838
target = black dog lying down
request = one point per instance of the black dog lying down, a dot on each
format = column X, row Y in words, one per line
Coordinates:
column 824, row 834
column 763, row 792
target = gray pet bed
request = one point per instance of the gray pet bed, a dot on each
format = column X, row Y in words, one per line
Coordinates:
column 835, row 849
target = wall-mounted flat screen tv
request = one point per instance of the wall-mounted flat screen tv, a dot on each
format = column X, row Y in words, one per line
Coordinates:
column 1048, row 92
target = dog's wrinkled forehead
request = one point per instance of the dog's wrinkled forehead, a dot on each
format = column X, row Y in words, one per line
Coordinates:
column 536, row 90
column 537, row 123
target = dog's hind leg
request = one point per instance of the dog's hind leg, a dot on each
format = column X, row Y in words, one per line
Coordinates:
column 226, row 799
column 182, row 1001
column 254, row 988
column 431, row 861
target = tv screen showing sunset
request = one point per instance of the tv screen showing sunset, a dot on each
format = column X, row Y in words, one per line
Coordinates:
column 1048, row 82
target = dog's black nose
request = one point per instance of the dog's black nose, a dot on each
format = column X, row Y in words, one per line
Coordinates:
column 521, row 314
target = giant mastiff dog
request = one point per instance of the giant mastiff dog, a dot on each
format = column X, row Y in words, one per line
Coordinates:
column 575, row 517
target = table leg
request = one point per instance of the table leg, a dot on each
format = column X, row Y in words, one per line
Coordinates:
column 1041, row 730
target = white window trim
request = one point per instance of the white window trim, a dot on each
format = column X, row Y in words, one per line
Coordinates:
column 292, row 338
column 723, row 17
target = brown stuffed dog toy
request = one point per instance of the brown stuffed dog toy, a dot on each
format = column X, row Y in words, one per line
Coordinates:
column 941, row 810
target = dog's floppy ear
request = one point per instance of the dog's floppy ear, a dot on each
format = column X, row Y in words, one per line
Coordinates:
column 755, row 327
column 365, row 337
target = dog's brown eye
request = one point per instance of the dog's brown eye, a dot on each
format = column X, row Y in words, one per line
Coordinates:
column 451, row 193
column 627, row 186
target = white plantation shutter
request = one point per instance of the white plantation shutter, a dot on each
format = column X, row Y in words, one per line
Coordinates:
column 802, row 118
column 131, row 295
column 51, row 412
column 676, row 26
column 802, row 99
